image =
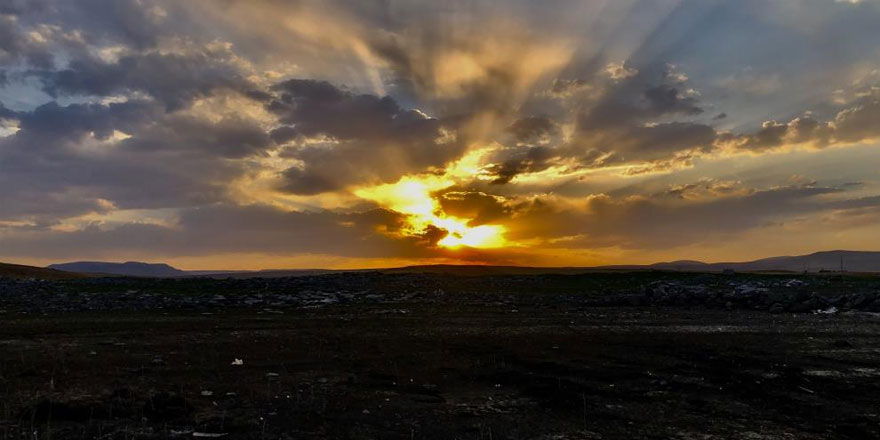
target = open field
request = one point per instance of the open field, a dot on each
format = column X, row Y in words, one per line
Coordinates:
column 401, row 357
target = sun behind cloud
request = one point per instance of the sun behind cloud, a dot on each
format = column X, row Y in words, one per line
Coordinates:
column 413, row 196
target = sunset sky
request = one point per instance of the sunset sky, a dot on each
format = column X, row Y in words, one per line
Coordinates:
column 246, row 134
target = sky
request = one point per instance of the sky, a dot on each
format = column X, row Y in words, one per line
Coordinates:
column 256, row 134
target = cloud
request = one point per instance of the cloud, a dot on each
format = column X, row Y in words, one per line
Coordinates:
column 5, row 113
column 619, row 71
column 65, row 160
column 564, row 88
column 480, row 207
column 225, row 138
column 140, row 24
column 659, row 141
column 629, row 124
column 858, row 123
column 220, row 229
column 664, row 99
column 174, row 79
column 250, row 126
column 368, row 139
column 529, row 160
column 17, row 44
column 16, row 7
column 533, row 129
column 650, row 223
column 851, row 125
column 706, row 188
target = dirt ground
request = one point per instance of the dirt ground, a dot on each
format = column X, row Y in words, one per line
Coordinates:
column 440, row 371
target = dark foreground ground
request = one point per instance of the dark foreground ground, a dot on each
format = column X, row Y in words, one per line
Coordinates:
column 584, row 357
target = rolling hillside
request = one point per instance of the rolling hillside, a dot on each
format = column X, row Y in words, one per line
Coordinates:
column 18, row 271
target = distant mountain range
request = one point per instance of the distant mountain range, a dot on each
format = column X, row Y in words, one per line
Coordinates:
column 162, row 270
column 850, row 261
column 130, row 268
column 831, row 261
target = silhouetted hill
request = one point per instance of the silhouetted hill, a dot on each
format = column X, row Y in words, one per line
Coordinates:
column 19, row 271
column 130, row 268
column 851, row 261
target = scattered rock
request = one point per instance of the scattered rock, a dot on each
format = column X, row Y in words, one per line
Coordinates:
column 777, row 308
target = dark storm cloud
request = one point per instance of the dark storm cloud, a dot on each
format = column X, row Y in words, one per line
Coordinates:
column 665, row 99
column 139, row 24
column 16, row 46
column 64, row 124
column 871, row 202
column 45, row 178
column 480, row 207
column 534, row 140
column 13, row 7
column 370, row 138
column 656, row 142
column 263, row 228
column 644, row 223
column 705, row 188
column 636, row 146
column 639, row 99
column 654, row 118
column 854, row 124
column 5, row 113
column 65, row 159
column 131, row 21
column 144, row 153
column 229, row 138
column 621, row 127
column 315, row 180
column 528, row 160
column 533, row 128
column 319, row 108
column 860, row 122
column 562, row 88
column 652, row 223
column 171, row 78
column 283, row 134
column 771, row 135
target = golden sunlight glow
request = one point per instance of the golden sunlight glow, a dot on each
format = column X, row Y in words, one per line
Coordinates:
column 412, row 196
column 460, row 234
